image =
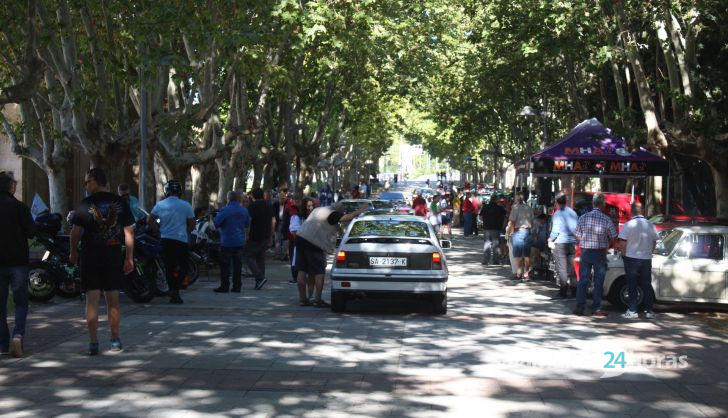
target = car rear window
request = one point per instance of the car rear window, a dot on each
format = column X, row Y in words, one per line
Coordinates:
column 389, row 228
column 391, row 196
column 350, row 207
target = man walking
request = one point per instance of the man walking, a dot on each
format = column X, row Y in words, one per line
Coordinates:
column 563, row 241
column 280, row 235
column 17, row 226
column 231, row 221
column 493, row 217
column 176, row 221
column 595, row 232
column 314, row 239
column 636, row 243
column 261, row 225
column 100, row 223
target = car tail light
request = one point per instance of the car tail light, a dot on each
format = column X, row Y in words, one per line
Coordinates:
column 341, row 257
column 436, row 258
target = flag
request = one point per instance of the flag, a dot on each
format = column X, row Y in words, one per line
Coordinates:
column 38, row 206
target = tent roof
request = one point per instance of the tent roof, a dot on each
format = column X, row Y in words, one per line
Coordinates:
column 592, row 140
column 593, row 149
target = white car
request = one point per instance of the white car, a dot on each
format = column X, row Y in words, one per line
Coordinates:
column 689, row 265
column 390, row 255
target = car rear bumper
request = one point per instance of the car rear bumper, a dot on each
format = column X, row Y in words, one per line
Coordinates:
column 389, row 285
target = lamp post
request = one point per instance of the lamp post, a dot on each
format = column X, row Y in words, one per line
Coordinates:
column 473, row 160
column 543, row 113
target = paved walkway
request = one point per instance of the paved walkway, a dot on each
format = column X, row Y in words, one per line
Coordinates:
column 504, row 349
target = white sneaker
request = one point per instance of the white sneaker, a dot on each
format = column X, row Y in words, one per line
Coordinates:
column 630, row 315
column 650, row 315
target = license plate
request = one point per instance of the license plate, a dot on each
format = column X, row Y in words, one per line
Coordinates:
column 388, row 261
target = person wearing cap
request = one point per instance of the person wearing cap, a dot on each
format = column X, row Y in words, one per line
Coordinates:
column 17, row 226
column 314, row 239
column 176, row 221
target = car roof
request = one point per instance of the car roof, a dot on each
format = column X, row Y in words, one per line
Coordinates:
column 705, row 229
column 384, row 217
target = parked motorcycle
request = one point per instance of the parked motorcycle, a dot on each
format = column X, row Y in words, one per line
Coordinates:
column 150, row 266
column 52, row 274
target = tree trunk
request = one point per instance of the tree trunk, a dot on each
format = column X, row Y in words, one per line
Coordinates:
column 721, row 188
column 257, row 173
column 57, row 188
column 619, row 89
column 202, row 183
column 655, row 137
column 672, row 70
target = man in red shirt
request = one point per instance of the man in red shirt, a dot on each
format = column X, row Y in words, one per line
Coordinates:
column 476, row 209
column 469, row 212
column 419, row 204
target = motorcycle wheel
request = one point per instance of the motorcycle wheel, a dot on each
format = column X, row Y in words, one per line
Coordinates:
column 139, row 286
column 42, row 282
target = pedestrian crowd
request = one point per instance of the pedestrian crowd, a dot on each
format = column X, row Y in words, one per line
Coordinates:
column 301, row 229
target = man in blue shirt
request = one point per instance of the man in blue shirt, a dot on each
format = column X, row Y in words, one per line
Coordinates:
column 176, row 221
column 231, row 221
column 563, row 242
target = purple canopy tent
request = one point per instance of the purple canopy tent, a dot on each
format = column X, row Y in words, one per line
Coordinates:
column 591, row 149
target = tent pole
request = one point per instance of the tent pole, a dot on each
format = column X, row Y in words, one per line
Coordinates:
column 667, row 193
column 631, row 200
column 572, row 185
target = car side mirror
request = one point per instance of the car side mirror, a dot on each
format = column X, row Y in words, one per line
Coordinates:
column 338, row 241
column 445, row 244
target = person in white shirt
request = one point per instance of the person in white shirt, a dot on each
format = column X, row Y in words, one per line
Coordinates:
column 636, row 243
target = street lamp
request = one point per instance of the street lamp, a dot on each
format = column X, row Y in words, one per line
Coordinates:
column 529, row 111
column 475, row 171
column 544, row 113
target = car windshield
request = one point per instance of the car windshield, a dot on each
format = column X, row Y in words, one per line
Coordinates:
column 389, row 228
column 666, row 246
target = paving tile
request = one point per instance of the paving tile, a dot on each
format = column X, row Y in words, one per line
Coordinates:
column 259, row 354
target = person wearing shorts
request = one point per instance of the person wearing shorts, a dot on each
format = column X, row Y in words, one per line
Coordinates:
column 314, row 239
column 101, row 224
column 519, row 227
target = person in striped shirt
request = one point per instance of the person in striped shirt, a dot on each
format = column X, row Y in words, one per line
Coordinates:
column 596, row 233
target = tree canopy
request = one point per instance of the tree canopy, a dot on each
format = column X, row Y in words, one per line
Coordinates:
column 293, row 88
